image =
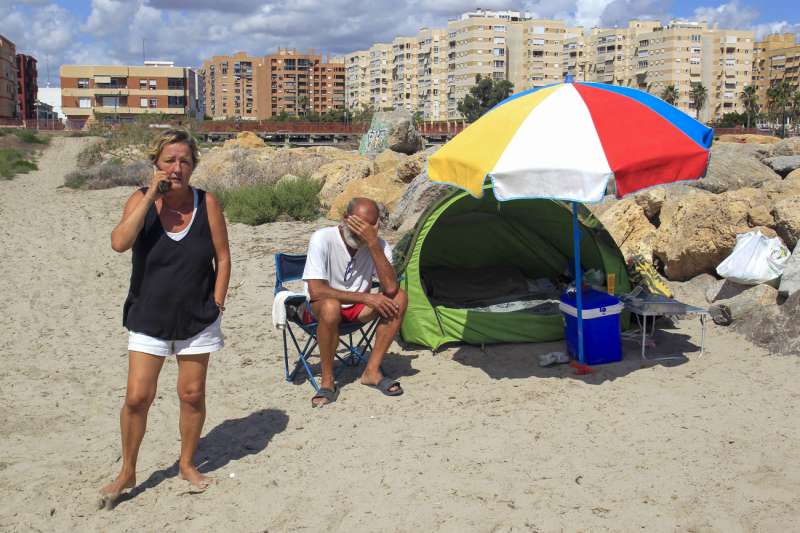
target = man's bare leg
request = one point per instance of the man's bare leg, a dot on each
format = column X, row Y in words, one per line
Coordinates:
column 192, row 371
column 329, row 314
column 143, row 371
column 384, row 336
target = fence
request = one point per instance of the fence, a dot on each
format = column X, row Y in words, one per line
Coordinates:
column 442, row 127
column 289, row 126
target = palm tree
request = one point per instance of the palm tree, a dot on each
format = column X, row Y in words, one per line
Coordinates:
column 778, row 96
column 794, row 105
column 670, row 94
column 749, row 99
column 698, row 95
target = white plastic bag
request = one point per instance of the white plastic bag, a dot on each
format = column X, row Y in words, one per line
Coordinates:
column 755, row 259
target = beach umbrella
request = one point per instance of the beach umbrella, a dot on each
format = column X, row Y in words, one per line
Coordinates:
column 566, row 142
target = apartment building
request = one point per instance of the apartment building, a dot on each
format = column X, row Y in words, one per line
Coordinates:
column 230, row 85
column 728, row 72
column 405, row 74
column 241, row 86
column 379, row 74
column 124, row 92
column 776, row 58
column 27, row 86
column 300, row 83
column 579, row 54
column 9, row 107
column 357, row 80
column 432, row 50
column 683, row 53
column 545, row 52
column 488, row 43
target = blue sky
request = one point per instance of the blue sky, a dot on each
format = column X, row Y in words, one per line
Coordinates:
column 187, row 31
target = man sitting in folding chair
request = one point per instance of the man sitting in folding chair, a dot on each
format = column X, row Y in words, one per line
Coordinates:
column 340, row 265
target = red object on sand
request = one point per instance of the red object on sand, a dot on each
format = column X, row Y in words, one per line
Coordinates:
column 580, row 368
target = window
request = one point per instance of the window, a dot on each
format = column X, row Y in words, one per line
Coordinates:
column 175, row 83
column 84, row 103
column 499, row 28
column 176, row 101
column 695, row 61
column 83, row 83
column 499, row 64
column 538, row 30
column 152, row 102
column 499, row 51
column 143, row 85
column 143, row 102
column 110, row 101
column 537, row 42
column 153, row 85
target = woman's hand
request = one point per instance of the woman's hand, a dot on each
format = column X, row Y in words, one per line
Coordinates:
column 159, row 176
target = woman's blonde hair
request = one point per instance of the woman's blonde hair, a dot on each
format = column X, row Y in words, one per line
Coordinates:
column 173, row 137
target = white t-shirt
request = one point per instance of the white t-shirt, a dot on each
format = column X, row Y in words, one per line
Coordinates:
column 328, row 258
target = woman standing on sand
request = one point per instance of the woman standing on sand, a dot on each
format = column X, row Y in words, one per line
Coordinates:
column 181, row 269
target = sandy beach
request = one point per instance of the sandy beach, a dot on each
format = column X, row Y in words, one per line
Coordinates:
column 479, row 442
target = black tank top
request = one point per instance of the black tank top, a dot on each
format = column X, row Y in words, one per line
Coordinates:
column 172, row 282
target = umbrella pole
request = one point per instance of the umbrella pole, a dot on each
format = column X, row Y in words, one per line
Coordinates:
column 576, row 241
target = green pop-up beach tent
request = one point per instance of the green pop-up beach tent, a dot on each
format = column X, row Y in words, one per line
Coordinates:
column 461, row 235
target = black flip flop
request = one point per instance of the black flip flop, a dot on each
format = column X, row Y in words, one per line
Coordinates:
column 385, row 384
column 325, row 393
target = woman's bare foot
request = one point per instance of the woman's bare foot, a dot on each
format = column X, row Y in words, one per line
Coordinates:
column 198, row 480
column 110, row 493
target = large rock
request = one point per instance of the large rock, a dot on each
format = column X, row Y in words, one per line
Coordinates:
column 735, row 166
column 748, row 138
column 786, row 212
column 630, row 228
column 741, row 301
column 246, row 139
column 420, row 194
column 603, row 205
column 411, row 166
column 234, row 166
column 790, row 280
column 387, row 160
column 693, row 292
column 698, row 230
column 337, row 174
column 394, row 130
column 384, row 188
column 776, row 328
column 783, row 164
column 789, row 146
column 651, row 201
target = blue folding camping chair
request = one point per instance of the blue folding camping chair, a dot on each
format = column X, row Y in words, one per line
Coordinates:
column 290, row 267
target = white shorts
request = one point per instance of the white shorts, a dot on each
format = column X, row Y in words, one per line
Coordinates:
column 207, row 341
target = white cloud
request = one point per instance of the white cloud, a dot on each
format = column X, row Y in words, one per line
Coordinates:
column 109, row 16
column 619, row 12
column 727, row 16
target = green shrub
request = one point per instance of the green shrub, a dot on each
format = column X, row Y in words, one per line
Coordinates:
column 108, row 175
column 260, row 204
column 250, row 205
column 13, row 162
column 298, row 198
column 31, row 137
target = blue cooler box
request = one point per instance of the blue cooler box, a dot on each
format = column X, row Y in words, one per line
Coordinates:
column 601, row 327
